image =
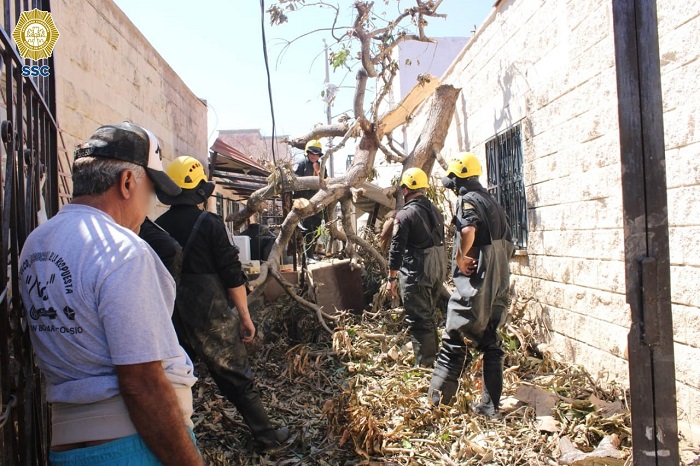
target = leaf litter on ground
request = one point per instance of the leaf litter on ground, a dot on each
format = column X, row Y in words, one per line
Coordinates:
column 356, row 399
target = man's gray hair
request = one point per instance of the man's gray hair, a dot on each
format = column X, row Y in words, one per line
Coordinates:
column 95, row 175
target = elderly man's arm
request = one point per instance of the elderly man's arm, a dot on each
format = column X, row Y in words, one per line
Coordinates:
column 156, row 414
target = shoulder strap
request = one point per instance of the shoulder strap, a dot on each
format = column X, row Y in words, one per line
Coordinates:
column 193, row 233
column 479, row 206
column 429, row 230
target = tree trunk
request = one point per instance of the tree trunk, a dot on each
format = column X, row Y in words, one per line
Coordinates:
column 432, row 137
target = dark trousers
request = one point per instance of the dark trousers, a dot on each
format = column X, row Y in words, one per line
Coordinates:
column 454, row 356
column 476, row 309
column 420, row 302
column 208, row 327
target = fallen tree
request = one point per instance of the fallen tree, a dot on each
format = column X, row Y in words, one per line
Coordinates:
column 372, row 131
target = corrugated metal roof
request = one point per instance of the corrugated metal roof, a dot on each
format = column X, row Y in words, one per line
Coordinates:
column 230, row 159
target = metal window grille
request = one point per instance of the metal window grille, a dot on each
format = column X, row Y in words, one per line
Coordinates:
column 30, row 173
column 504, row 163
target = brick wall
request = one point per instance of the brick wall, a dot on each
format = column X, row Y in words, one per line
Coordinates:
column 549, row 65
column 107, row 72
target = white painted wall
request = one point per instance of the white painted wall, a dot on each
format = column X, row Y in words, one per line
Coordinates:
column 550, row 66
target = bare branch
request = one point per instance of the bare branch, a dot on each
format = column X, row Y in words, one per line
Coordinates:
column 390, row 27
column 363, row 10
column 336, row 232
column 346, row 206
column 390, row 155
column 360, row 89
column 440, row 159
column 432, row 137
column 320, row 131
column 390, row 143
column 289, row 288
column 329, row 153
column 386, row 51
column 256, row 202
column 385, row 90
column 350, row 245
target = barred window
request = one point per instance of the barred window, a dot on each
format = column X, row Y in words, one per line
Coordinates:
column 504, row 163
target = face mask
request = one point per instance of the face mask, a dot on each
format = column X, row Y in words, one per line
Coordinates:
column 449, row 183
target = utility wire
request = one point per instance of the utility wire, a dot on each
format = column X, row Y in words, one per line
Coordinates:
column 269, row 82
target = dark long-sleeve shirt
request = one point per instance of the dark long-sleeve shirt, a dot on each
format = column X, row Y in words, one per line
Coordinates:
column 211, row 251
column 167, row 247
column 306, row 168
column 410, row 233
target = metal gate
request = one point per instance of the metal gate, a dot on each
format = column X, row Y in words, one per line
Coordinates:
column 29, row 175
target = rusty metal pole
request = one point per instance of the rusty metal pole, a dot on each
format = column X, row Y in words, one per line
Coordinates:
column 645, row 216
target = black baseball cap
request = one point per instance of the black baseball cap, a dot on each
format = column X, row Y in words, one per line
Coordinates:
column 130, row 143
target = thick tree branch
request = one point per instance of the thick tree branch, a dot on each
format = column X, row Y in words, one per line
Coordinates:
column 352, row 131
column 358, row 104
column 320, row 131
column 350, row 245
column 432, row 137
column 336, row 233
column 363, row 11
column 346, row 207
column 255, row 204
column 287, row 182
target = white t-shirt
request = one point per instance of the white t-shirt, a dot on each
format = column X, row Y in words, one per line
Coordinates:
column 96, row 296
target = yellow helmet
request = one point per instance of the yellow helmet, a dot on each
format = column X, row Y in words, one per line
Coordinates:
column 414, row 178
column 187, row 172
column 464, row 165
column 314, row 146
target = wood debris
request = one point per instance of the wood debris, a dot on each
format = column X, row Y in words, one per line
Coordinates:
column 356, row 398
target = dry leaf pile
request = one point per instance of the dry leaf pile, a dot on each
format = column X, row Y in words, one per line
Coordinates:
column 357, row 399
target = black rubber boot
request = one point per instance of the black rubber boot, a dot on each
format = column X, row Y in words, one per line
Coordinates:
column 493, row 383
column 267, row 446
column 425, row 346
column 266, row 438
column 443, row 386
column 485, row 406
column 451, row 360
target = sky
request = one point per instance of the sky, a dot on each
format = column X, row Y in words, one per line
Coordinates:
column 216, row 49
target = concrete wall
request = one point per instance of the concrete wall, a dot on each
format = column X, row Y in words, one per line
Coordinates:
column 106, row 72
column 549, row 65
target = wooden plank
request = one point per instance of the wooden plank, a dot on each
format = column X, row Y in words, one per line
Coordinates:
column 398, row 116
column 651, row 359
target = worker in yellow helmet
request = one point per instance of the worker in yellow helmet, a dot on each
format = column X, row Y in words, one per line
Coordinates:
column 211, row 279
column 417, row 263
column 478, row 306
column 311, row 166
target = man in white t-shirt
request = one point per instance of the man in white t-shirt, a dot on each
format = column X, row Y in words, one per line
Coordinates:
column 99, row 302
